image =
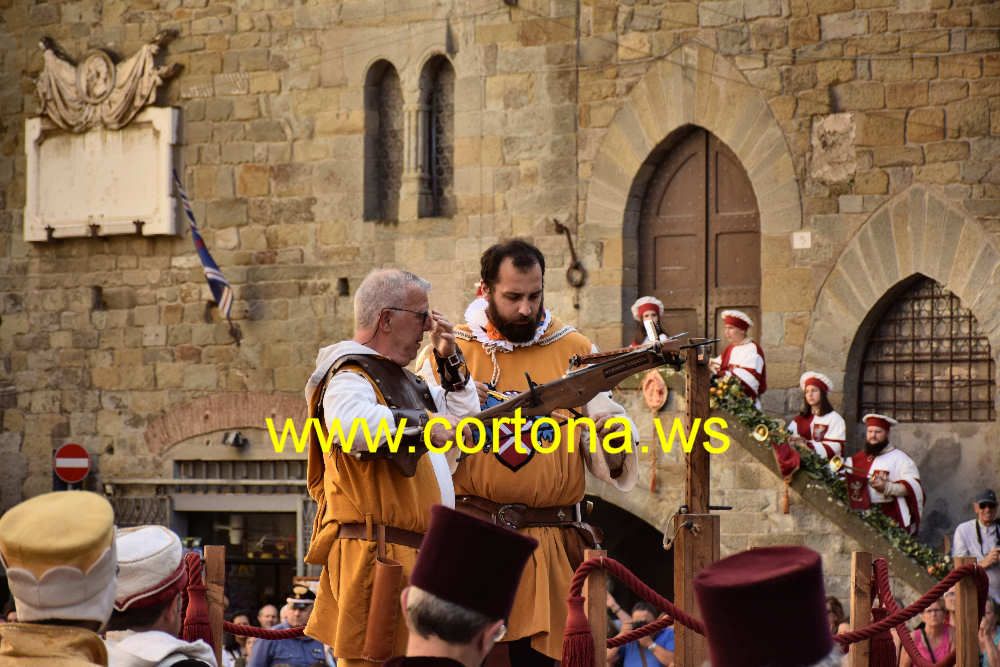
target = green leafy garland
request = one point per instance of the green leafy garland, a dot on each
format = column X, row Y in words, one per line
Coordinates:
column 727, row 394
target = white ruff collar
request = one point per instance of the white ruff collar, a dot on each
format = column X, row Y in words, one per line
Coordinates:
column 475, row 316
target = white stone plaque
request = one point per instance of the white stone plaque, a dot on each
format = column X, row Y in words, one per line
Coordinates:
column 102, row 181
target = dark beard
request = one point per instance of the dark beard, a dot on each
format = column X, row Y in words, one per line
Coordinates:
column 875, row 450
column 515, row 332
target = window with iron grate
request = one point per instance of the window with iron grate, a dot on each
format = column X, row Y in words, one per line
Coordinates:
column 383, row 142
column 437, row 90
column 926, row 361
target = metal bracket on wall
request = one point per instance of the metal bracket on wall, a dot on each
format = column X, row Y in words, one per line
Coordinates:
column 576, row 274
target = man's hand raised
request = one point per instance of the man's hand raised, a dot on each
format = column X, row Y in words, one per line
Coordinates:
column 442, row 335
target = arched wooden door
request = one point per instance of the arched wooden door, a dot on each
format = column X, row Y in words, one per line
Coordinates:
column 699, row 237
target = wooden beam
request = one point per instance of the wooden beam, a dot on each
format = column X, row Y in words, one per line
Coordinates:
column 214, row 575
column 696, row 547
column 966, row 619
column 859, row 653
column 595, row 589
column 696, row 481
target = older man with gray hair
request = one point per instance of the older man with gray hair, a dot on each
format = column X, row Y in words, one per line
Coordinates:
column 367, row 473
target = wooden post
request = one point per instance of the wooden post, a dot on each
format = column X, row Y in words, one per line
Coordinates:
column 859, row 653
column 595, row 589
column 214, row 575
column 966, row 619
column 696, row 548
column 697, row 544
column 696, row 487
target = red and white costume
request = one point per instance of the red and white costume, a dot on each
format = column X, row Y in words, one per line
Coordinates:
column 649, row 304
column 903, row 498
column 825, row 434
column 744, row 361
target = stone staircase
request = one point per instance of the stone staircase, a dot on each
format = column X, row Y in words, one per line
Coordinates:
column 746, row 478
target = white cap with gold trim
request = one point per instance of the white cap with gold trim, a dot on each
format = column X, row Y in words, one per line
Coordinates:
column 59, row 551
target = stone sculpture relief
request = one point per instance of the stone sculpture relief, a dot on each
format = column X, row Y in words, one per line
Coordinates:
column 78, row 97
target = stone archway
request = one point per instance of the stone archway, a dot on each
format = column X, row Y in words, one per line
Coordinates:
column 916, row 231
column 219, row 412
column 693, row 85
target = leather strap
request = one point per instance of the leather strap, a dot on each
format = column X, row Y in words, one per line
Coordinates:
column 517, row 516
column 380, row 533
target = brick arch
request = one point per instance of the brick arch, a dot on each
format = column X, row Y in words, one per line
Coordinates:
column 220, row 412
column 692, row 85
column 917, row 231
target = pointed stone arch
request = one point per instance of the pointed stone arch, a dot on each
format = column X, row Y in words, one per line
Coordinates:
column 692, row 85
column 915, row 232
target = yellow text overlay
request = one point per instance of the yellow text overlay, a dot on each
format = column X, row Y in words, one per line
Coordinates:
column 545, row 435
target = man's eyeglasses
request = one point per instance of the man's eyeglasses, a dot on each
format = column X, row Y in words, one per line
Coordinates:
column 984, row 506
column 424, row 314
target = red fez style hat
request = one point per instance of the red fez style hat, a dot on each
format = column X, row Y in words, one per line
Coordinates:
column 646, row 304
column 743, row 599
column 737, row 318
column 814, row 379
column 471, row 563
column 881, row 421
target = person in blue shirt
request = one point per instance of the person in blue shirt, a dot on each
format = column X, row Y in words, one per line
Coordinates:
column 649, row 651
column 297, row 652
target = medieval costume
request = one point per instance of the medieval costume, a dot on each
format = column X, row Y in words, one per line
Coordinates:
column 903, row 498
column 537, row 493
column 370, row 504
column 824, row 433
column 151, row 572
column 59, row 554
column 744, row 360
column 648, row 308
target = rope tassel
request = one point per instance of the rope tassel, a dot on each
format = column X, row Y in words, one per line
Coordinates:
column 196, row 625
column 578, row 643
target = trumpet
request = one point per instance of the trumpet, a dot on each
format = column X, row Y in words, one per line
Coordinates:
column 837, row 464
column 762, row 432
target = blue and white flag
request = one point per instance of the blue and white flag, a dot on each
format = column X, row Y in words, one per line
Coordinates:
column 221, row 291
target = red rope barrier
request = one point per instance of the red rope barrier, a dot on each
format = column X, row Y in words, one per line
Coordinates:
column 900, row 616
column 639, row 633
column 905, row 638
column 262, row 633
column 897, row 617
column 636, row 584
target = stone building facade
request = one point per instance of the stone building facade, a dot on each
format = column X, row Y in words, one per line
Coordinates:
column 322, row 139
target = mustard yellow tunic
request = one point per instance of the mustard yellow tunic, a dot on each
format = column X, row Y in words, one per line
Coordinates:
column 27, row 644
column 546, row 480
column 348, row 490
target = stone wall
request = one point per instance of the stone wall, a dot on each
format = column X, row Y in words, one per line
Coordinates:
column 835, row 107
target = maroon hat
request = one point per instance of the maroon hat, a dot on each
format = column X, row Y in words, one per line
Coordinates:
column 471, row 563
column 746, row 597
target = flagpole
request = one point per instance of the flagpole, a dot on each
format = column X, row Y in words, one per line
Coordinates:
column 221, row 290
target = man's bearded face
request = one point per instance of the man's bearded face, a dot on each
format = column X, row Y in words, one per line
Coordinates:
column 876, row 439
column 522, row 328
column 515, row 303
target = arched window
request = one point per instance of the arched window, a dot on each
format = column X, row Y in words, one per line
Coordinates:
column 437, row 120
column 926, row 360
column 383, row 142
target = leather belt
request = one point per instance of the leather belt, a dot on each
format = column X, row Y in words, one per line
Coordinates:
column 517, row 516
column 360, row 531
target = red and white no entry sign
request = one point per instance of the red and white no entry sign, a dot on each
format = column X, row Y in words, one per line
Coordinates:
column 72, row 463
